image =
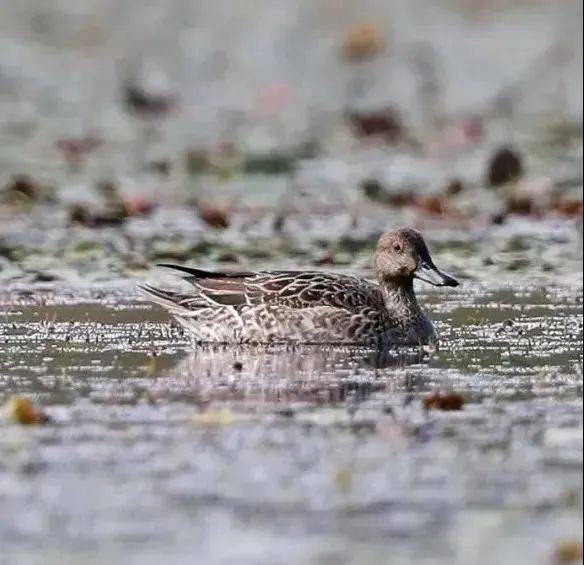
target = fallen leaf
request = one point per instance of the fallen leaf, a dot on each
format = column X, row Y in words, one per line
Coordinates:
column 145, row 104
column 384, row 124
column 24, row 187
column 454, row 187
column 571, row 208
column 362, row 41
column 137, row 206
column 437, row 205
column 228, row 257
column 20, row 410
column 213, row 215
column 506, row 165
column 446, row 401
column 567, row 552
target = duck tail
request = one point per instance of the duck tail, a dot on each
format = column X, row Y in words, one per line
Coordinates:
column 175, row 302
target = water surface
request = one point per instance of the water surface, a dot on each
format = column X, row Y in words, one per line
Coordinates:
column 160, row 451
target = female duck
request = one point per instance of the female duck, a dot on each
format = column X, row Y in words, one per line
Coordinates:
column 312, row 307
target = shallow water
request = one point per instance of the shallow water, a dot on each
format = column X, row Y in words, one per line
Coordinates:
column 156, row 451
column 321, row 455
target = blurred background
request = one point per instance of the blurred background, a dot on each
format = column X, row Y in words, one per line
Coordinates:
column 260, row 117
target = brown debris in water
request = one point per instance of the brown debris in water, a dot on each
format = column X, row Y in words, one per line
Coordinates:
column 454, row 187
column 20, row 410
column 197, row 160
column 137, row 206
column 146, row 104
column 568, row 552
column 428, row 204
column 113, row 210
column 215, row 216
column 506, row 165
column 521, row 205
column 162, row 167
column 445, row 401
column 402, row 199
column 80, row 214
column 384, row 124
column 541, row 197
column 571, row 208
column 377, row 191
column 435, row 205
column 22, row 188
column 373, row 189
column 228, row 257
column 362, row 41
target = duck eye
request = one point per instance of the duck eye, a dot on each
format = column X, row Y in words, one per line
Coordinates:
column 397, row 247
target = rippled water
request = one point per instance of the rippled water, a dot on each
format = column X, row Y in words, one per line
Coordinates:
column 324, row 455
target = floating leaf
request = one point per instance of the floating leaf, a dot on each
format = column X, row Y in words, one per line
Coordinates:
column 20, row 410
column 446, row 401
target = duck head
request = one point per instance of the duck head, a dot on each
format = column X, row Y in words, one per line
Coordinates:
column 402, row 255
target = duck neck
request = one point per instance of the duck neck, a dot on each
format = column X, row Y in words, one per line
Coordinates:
column 400, row 299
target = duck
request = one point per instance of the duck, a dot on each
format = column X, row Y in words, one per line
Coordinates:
column 311, row 307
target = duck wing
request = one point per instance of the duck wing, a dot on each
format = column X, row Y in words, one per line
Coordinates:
column 292, row 289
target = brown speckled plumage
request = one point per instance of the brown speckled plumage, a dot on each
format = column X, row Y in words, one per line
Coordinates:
column 310, row 307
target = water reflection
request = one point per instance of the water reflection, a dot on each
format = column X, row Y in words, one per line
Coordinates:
column 316, row 375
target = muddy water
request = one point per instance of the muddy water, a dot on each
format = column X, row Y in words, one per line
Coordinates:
column 160, row 451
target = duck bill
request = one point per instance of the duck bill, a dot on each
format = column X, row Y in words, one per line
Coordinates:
column 428, row 272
